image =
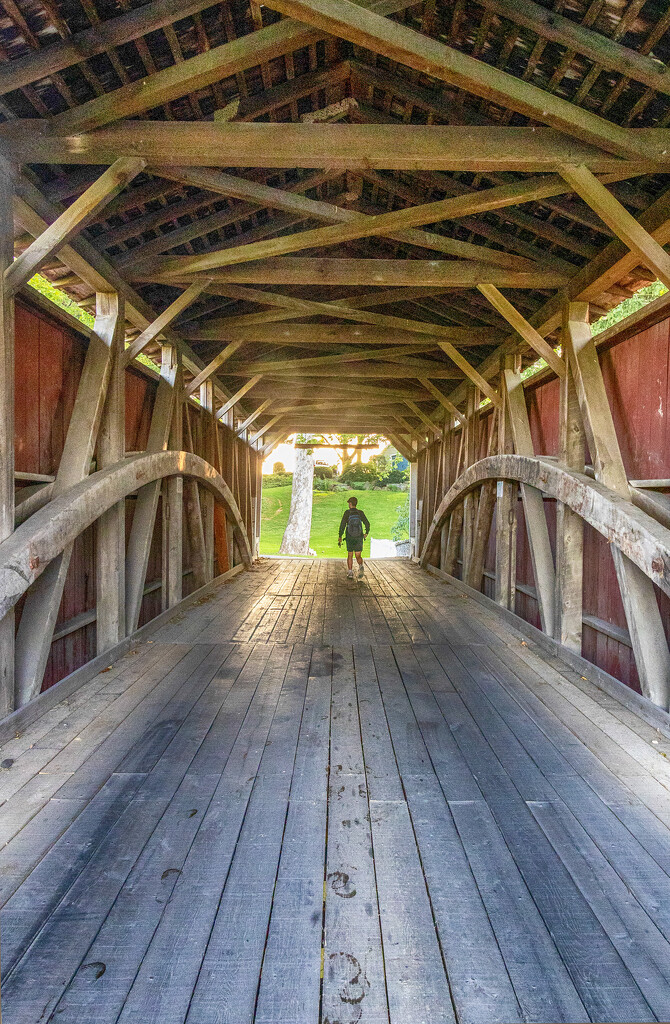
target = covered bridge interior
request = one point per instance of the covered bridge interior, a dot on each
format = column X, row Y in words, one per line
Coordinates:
column 236, row 789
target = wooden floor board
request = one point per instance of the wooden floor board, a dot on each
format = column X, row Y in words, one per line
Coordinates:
column 315, row 800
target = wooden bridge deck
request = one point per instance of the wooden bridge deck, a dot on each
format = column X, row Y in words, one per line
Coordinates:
column 312, row 800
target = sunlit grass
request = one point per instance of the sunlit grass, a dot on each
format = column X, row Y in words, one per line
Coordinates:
column 381, row 508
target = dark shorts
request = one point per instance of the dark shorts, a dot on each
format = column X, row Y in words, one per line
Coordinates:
column 354, row 545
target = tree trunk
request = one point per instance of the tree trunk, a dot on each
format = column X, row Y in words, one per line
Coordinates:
column 296, row 535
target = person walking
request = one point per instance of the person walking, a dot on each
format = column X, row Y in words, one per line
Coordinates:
column 355, row 527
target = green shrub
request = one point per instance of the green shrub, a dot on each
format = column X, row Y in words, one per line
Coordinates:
column 324, row 483
column 400, row 529
column 324, row 472
column 396, row 476
column 277, row 479
column 360, row 472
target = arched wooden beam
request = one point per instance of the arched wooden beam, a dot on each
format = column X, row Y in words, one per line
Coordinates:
column 635, row 533
column 27, row 552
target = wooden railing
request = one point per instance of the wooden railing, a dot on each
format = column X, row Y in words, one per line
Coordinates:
column 633, row 533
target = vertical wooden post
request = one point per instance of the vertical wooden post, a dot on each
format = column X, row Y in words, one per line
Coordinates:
column 173, row 506
column 471, row 453
column 6, row 428
column 193, row 513
column 144, row 517
column 111, row 526
column 650, row 647
column 484, row 519
column 33, row 640
column 413, row 481
column 258, row 499
column 506, row 501
column 209, row 453
column 569, row 525
column 533, row 505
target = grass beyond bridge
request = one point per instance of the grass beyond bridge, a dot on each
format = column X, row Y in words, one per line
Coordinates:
column 381, row 508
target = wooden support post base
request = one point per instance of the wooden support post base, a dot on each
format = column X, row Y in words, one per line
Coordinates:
column 506, row 544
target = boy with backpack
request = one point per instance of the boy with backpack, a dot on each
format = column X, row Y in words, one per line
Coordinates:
column 352, row 525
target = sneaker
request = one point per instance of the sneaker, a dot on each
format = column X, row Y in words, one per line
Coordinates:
column 361, row 572
column 350, row 574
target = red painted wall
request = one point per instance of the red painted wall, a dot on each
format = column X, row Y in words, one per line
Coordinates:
column 637, row 379
column 49, row 361
column 636, row 370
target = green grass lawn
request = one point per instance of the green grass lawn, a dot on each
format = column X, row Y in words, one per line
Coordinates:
column 381, row 508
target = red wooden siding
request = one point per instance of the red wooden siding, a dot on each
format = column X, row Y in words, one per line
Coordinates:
column 637, row 378
column 49, row 360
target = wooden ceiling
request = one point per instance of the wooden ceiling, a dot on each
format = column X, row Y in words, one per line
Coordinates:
column 354, row 194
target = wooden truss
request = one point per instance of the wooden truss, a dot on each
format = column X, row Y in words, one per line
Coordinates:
column 315, row 211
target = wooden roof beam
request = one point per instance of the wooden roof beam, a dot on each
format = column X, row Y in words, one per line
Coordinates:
column 264, row 429
column 251, row 107
column 201, row 226
column 401, row 446
column 624, row 225
column 101, row 37
column 453, row 186
column 198, row 72
column 270, row 446
column 429, row 56
column 212, row 367
column 72, row 220
column 451, row 208
column 163, row 320
column 607, row 53
column 442, row 399
column 338, row 359
column 469, row 371
column 522, row 327
column 241, row 427
column 275, row 198
column 388, row 371
column 413, row 407
column 239, row 394
column 286, row 270
column 217, row 329
column 365, row 301
column 610, row 266
column 318, row 335
column 336, row 146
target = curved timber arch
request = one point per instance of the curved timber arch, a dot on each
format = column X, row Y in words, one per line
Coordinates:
column 643, row 540
column 27, row 552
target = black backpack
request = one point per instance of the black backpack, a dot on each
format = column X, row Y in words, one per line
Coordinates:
column 354, row 525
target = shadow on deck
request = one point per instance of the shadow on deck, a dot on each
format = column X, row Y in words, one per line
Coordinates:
column 312, row 800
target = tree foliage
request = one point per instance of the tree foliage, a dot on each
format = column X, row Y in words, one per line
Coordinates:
column 344, row 442
column 641, row 298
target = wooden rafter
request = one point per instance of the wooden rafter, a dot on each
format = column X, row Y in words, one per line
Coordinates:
column 413, row 49
column 336, row 271
column 155, row 329
column 72, row 220
column 620, row 220
column 337, row 146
